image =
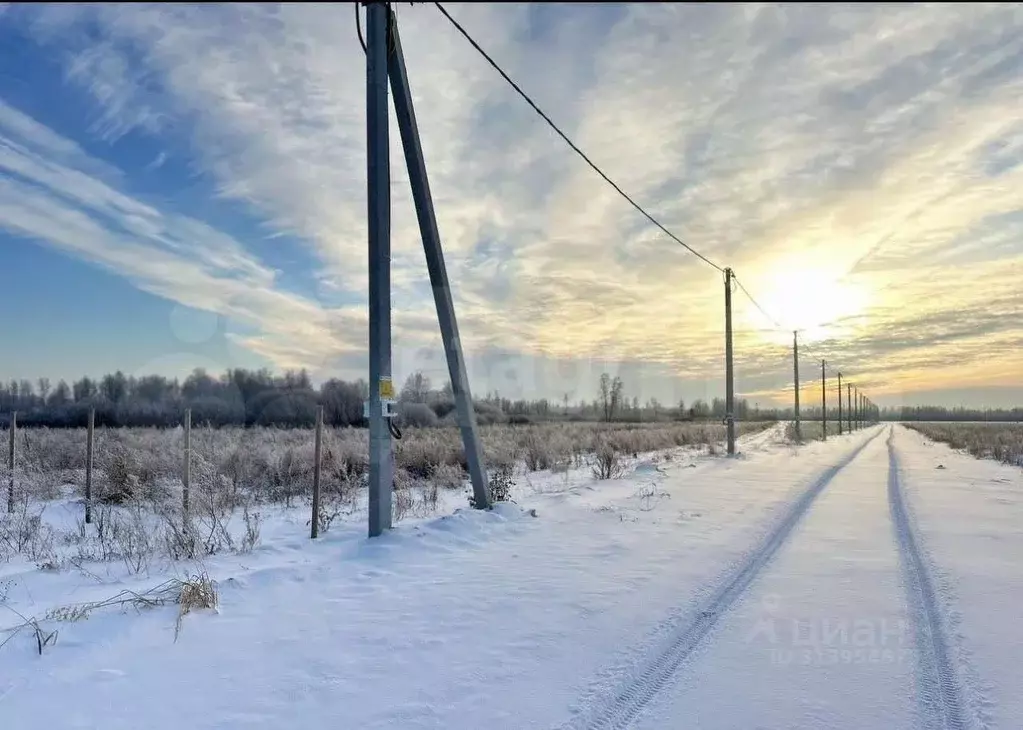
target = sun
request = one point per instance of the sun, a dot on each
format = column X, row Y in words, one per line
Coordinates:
column 810, row 298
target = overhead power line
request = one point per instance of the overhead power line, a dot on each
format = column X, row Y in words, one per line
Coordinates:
column 756, row 303
column 543, row 115
column 569, row 142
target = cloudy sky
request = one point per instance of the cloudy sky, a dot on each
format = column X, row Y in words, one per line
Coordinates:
column 185, row 185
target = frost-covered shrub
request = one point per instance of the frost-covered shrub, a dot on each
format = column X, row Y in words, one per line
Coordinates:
column 500, row 486
column 417, row 415
column 537, row 453
column 607, row 463
column 448, row 476
column 127, row 476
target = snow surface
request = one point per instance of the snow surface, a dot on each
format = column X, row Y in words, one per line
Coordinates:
column 790, row 588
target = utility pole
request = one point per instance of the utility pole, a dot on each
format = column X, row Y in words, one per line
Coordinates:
column 795, row 377
column 381, row 467
column 824, row 401
column 840, row 404
column 385, row 63
column 729, row 371
column 848, row 402
column 457, row 371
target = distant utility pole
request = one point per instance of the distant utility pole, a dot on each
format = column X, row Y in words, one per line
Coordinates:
column 824, row 401
column 848, row 402
column 385, row 62
column 795, row 377
column 840, row 404
column 729, row 371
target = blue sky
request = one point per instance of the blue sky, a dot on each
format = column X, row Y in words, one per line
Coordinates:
column 184, row 185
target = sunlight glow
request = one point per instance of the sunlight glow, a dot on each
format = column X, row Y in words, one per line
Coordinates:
column 812, row 299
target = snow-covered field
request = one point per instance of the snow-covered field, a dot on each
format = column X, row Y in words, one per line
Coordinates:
column 850, row 583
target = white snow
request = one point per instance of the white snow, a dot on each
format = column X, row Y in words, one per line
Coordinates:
column 660, row 600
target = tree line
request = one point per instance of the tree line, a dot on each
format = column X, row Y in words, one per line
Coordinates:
column 260, row 397
column 941, row 413
column 237, row 397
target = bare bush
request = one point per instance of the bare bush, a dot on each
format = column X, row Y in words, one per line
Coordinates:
column 204, row 530
column 537, row 452
column 121, row 534
column 23, row 532
column 810, row 431
column 448, row 476
column 127, row 475
column 499, row 487
column 402, row 502
column 287, row 473
column 253, row 527
column 417, row 415
column 338, row 498
column 607, row 463
column 501, row 484
column 411, row 500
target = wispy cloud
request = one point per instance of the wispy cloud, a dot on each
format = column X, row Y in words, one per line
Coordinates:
column 853, row 163
column 46, row 195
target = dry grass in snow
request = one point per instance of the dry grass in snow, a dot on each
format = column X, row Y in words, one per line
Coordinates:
column 239, row 476
column 999, row 441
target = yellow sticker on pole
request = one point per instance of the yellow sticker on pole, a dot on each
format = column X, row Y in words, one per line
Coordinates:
column 386, row 388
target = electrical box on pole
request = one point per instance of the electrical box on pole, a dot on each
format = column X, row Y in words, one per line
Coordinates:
column 729, row 370
column 385, row 63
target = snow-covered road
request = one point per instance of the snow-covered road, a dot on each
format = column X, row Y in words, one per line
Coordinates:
column 846, row 584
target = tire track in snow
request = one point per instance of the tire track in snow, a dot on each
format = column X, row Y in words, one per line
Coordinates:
column 655, row 673
column 941, row 697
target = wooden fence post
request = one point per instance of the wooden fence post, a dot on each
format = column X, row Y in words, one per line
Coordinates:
column 11, row 461
column 186, row 476
column 315, row 530
column 88, row 466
